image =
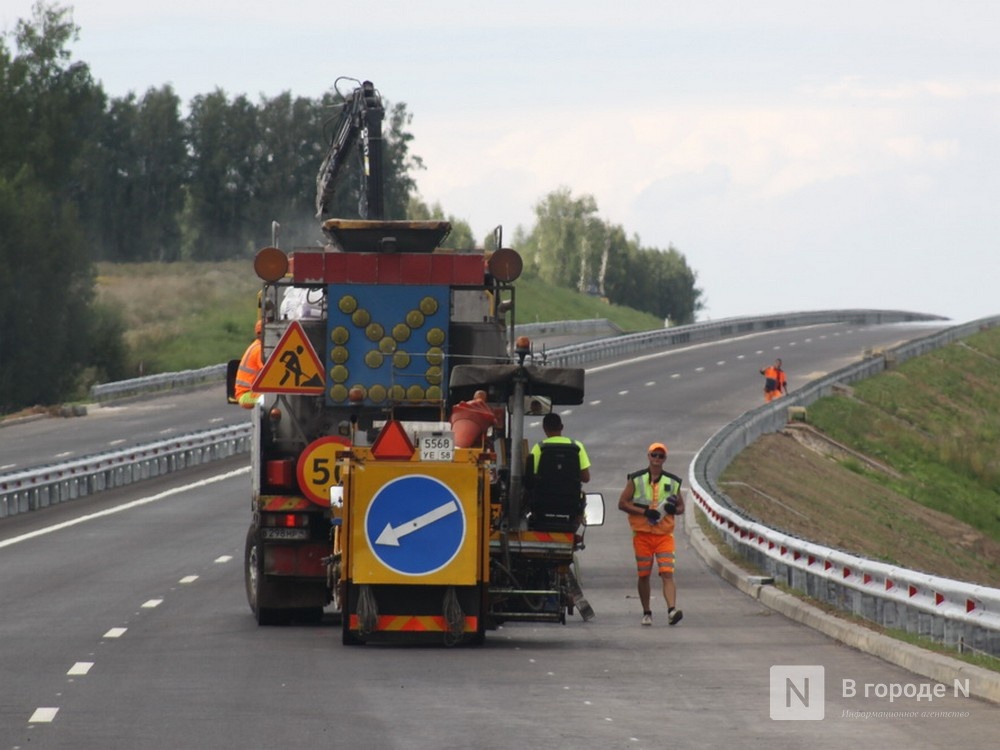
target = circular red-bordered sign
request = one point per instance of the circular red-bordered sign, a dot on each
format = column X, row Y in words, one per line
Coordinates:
column 317, row 468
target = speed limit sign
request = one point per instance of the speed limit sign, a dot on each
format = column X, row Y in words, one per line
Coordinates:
column 317, row 468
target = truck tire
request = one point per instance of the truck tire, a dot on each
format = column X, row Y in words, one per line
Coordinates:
column 257, row 589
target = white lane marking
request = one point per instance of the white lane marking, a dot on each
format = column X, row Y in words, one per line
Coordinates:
column 223, row 558
column 120, row 508
column 81, row 667
column 699, row 369
column 190, row 579
column 64, row 454
column 721, row 362
column 152, row 603
column 684, row 349
column 116, row 442
column 43, row 715
column 595, row 402
column 650, row 383
column 115, row 633
column 623, row 393
column 676, row 375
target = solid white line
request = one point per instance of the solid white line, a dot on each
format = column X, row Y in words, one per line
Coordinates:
column 120, row 508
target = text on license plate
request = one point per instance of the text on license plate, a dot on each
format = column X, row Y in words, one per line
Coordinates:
column 437, row 448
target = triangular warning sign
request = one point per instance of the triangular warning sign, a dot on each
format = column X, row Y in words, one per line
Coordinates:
column 392, row 442
column 293, row 366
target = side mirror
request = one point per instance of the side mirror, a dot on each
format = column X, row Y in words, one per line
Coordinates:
column 593, row 510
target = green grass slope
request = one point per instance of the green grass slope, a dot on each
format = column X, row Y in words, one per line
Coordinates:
column 934, row 421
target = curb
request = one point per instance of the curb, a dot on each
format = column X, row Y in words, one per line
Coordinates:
column 983, row 683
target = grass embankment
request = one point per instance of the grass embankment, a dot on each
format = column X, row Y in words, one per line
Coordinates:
column 933, row 423
column 181, row 316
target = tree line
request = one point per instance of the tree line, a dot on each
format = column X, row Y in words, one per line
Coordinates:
column 85, row 177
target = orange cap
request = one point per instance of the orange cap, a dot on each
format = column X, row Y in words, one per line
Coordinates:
column 658, row 447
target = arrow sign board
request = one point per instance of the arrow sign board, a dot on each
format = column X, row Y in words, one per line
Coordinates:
column 415, row 525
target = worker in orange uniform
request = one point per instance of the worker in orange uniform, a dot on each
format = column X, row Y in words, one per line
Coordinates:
column 775, row 383
column 652, row 499
column 250, row 366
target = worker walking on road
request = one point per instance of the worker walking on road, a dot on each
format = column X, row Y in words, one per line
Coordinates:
column 775, row 383
column 652, row 499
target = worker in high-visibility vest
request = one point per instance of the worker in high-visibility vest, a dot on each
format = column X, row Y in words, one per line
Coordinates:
column 652, row 499
column 250, row 366
column 775, row 383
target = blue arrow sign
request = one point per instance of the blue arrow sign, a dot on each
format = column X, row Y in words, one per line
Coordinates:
column 415, row 525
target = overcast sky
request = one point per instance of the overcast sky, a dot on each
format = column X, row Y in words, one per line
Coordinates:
column 801, row 155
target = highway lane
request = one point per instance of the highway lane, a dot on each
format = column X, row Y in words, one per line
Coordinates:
column 191, row 669
column 34, row 441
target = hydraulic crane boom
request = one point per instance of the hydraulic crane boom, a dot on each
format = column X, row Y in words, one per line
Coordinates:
column 360, row 124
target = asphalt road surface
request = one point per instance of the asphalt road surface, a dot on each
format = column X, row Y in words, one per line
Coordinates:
column 124, row 622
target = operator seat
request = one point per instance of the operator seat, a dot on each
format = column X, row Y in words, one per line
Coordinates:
column 555, row 490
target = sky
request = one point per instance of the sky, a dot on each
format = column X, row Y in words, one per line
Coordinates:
column 801, row 155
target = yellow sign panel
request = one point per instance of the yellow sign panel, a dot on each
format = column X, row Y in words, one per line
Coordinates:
column 415, row 523
column 293, row 366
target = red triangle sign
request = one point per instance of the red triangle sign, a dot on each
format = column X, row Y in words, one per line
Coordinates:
column 392, row 442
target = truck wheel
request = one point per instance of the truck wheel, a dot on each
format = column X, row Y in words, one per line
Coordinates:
column 253, row 567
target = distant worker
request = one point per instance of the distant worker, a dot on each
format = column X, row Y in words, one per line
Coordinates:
column 250, row 366
column 775, row 383
column 552, row 426
column 652, row 499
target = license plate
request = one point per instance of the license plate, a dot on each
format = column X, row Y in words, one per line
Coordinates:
column 436, row 447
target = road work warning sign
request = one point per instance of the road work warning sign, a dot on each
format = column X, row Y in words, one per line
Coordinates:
column 293, row 366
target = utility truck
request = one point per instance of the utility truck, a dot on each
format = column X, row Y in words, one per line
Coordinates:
column 391, row 486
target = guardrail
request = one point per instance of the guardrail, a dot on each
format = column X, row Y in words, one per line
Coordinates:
column 575, row 354
column 950, row 611
column 37, row 488
column 165, row 381
column 896, row 597
column 628, row 344
column 42, row 486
